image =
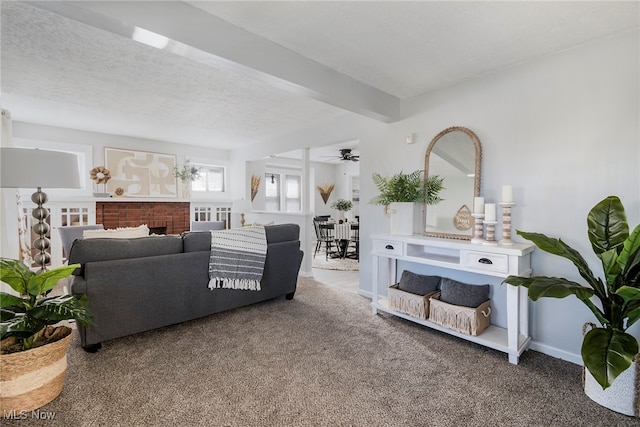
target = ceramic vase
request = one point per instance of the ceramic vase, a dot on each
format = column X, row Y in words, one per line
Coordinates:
column 401, row 214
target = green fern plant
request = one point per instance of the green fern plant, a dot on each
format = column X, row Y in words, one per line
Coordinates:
column 411, row 187
column 26, row 315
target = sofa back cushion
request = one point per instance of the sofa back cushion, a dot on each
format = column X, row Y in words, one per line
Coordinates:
column 88, row 250
column 282, row 233
column 196, row 241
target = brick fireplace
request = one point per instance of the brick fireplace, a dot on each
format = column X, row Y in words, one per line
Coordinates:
column 160, row 217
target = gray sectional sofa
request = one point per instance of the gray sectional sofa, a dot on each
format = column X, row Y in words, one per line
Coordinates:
column 135, row 285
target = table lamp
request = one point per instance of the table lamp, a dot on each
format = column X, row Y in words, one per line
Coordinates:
column 241, row 206
column 29, row 168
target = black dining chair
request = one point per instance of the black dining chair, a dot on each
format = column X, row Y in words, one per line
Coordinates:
column 353, row 249
column 324, row 235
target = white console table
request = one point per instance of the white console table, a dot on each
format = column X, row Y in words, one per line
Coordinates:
column 498, row 261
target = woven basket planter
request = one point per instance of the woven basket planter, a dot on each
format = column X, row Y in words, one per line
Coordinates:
column 412, row 304
column 622, row 396
column 31, row 379
column 467, row 320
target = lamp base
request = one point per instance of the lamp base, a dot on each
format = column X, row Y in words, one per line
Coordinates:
column 41, row 228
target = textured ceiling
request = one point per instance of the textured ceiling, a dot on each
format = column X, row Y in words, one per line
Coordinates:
column 64, row 72
column 407, row 48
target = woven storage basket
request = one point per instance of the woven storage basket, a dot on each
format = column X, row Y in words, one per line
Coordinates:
column 467, row 320
column 412, row 304
column 31, row 379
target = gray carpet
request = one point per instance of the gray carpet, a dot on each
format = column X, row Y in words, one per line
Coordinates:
column 321, row 359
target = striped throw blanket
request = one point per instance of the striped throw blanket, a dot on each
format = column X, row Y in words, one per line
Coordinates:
column 237, row 258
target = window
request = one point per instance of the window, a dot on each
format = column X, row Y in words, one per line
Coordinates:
column 211, row 213
column 292, row 201
column 283, row 192
column 211, row 179
column 272, row 192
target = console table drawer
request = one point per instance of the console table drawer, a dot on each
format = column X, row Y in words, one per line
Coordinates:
column 389, row 247
column 485, row 261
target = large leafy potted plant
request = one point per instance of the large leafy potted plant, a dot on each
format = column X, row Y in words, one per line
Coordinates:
column 607, row 350
column 400, row 192
column 31, row 340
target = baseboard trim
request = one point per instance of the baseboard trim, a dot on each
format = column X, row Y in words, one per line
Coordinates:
column 556, row 352
column 366, row 294
column 305, row 273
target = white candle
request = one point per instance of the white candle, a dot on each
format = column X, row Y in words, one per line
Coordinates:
column 507, row 194
column 490, row 212
column 478, row 205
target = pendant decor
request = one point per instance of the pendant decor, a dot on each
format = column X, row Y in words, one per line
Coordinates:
column 463, row 220
column 325, row 191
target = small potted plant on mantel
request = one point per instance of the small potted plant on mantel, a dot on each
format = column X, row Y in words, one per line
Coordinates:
column 608, row 351
column 187, row 175
column 33, row 347
column 342, row 206
column 400, row 192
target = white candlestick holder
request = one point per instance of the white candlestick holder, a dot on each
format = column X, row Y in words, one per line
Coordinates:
column 506, row 223
column 490, row 238
column 478, row 230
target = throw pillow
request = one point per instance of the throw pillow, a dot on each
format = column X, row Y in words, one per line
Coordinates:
column 262, row 225
column 118, row 233
column 417, row 283
column 458, row 293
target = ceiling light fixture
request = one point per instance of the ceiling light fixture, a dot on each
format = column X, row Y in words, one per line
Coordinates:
column 149, row 38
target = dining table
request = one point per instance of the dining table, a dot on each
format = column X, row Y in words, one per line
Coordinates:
column 343, row 234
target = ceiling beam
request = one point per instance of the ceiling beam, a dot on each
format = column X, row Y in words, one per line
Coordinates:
column 197, row 35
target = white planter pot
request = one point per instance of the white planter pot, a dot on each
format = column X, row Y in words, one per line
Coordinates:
column 401, row 214
column 619, row 396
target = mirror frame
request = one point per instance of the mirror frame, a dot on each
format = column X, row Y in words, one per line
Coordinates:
column 476, row 186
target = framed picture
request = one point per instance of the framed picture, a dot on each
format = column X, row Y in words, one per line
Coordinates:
column 141, row 173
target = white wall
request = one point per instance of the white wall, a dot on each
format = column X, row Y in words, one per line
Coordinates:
column 564, row 131
column 92, row 144
column 50, row 137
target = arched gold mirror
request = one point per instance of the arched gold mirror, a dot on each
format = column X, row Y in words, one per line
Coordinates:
column 454, row 154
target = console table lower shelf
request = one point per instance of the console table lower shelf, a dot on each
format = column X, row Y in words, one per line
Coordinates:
column 493, row 337
column 493, row 261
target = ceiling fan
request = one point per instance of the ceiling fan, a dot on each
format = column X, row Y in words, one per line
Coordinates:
column 345, row 155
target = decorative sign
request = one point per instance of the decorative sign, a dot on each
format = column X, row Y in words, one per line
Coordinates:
column 140, row 173
column 463, row 220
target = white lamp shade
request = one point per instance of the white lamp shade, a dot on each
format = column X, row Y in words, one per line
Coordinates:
column 32, row 168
